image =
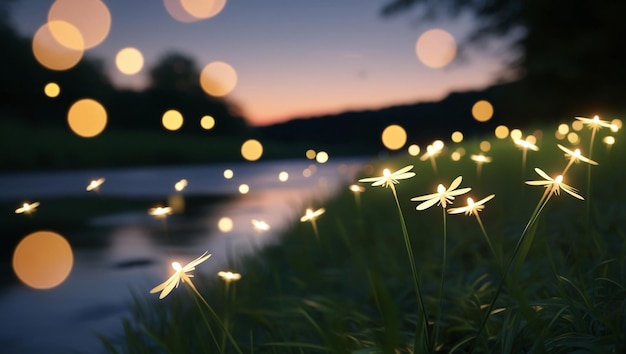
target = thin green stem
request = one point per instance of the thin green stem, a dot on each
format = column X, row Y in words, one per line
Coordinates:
column 208, row 326
column 588, row 196
column 317, row 235
column 433, row 163
column 443, row 277
column 216, row 317
column 493, row 250
column 416, row 285
column 542, row 202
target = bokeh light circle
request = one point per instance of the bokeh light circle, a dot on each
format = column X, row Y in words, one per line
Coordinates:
column 394, row 137
column 52, row 89
column 457, row 137
column 515, row 134
column 321, row 157
column 172, row 120
column 251, row 150
column 573, row 138
column 436, row 48
column 207, row 122
column 482, row 111
column 228, row 173
column 203, row 9
column 283, row 176
column 502, row 132
column 225, row 224
column 87, row 118
column 52, row 54
column 91, row 17
column 218, row 79
column 244, row 188
column 485, row 146
column 414, row 150
column 43, row 259
column 129, row 61
column 310, row 154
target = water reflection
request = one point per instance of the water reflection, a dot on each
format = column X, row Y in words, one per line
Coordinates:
column 140, row 250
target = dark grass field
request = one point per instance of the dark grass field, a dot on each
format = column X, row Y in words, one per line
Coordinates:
column 351, row 289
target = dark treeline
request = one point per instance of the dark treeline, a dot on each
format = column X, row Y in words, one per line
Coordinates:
column 174, row 84
column 360, row 131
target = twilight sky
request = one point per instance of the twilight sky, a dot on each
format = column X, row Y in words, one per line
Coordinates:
column 293, row 58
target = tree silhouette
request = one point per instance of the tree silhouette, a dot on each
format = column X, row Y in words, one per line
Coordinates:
column 570, row 50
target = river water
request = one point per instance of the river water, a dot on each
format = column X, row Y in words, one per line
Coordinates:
column 97, row 294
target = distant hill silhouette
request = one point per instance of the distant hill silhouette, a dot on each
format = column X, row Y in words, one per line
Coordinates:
column 360, row 131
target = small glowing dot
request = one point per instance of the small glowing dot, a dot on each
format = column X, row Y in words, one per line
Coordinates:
column 306, row 173
column 455, row 156
column 502, row 132
column 482, row 111
column 228, row 173
column 180, row 185
column 436, row 48
column 52, row 89
column 609, row 140
column 394, row 137
column 485, row 146
column 577, row 125
column 414, row 150
column 457, row 137
column 559, row 136
column 283, row 176
column 43, row 260
column 563, row 129
column 129, row 61
column 172, row 120
column 310, row 154
column 207, row 122
column 531, row 139
column 461, row 151
column 438, row 145
column 244, row 188
column 251, row 150
column 87, row 118
column 321, row 157
column 225, row 224
column 516, row 134
column 573, row 138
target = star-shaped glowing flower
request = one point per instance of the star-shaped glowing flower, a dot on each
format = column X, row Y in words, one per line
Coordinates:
column 574, row 157
column 180, row 274
column 260, row 225
column 553, row 186
column 443, row 196
column 388, row 178
column 229, row 276
column 594, row 123
column 160, row 212
column 472, row 207
column 480, row 158
column 525, row 144
column 311, row 216
column 94, row 185
column 27, row 208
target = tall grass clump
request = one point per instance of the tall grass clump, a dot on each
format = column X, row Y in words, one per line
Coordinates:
column 529, row 285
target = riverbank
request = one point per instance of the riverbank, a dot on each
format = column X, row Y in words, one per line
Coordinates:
column 350, row 290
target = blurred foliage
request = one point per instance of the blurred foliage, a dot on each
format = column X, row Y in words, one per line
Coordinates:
column 570, row 57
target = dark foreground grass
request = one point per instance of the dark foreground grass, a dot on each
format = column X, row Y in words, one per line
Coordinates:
column 351, row 290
